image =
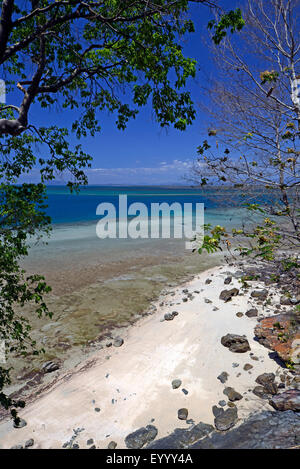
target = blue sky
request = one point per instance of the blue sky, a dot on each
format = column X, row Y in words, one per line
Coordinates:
column 144, row 153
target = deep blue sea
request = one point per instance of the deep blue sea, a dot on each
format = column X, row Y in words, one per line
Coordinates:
column 64, row 207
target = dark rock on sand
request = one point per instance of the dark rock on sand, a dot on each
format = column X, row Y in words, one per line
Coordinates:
column 29, row 443
column 267, row 381
column 288, row 400
column 259, row 294
column 183, row 414
column 118, row 342
column 90, row 442
column 232, row 394
column 112, row 445
column 227, row 280
column 141, row 437
column 182, row 438
column 235, row 343
column 208, row 281
column 226, row 295
column 261, row 392
column 247, row 367
column 252, row 313
column 176, row 383
column 223, row 377
column 227, row 419
column 19, row 423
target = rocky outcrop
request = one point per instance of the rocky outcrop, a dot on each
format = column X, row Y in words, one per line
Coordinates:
column 182, row 438
column 288, row 400
column 267, row 430
column 279, row 333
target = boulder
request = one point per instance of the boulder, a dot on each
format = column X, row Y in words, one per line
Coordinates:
column 118, row 342
column 259, row 294
column 227, row 280
column 267, row 381
column 252, row 313
column 183, row 414
column 226, row 295
column 176, row 383
column 235, row 343
column 223, row 377
column 232, row 394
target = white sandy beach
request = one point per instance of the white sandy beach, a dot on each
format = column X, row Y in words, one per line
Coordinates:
column 131, row 385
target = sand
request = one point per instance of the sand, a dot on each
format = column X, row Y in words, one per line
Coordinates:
column 131, row 385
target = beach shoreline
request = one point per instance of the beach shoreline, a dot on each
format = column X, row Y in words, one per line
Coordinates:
column 131, row 384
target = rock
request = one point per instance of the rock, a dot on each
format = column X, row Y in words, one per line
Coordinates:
column 183, row 414
column 217, row 411
column 112, row 445
column 19, row 423
column 252, row 313
column 182, row 438
column 97, row 409
column 176, row 383
column 232, row 394
column 222, row 403
column 239, row 315
column 227, row 280
column 247, row 367
column 90, row 442
column 270, row 330
column 29, row 443
column 259, row 294
column 184, row 391
column 49, row 367
column 267, row 381
column 206, row 300
column 141, row 437
column 118, row 342
column 223, row 377
column 266, row 430
column 226, row 420
column 226, row 295
column 208, row 281
column 261, row 392
column 285, row 301
column 235, row 343
column 288, row 400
